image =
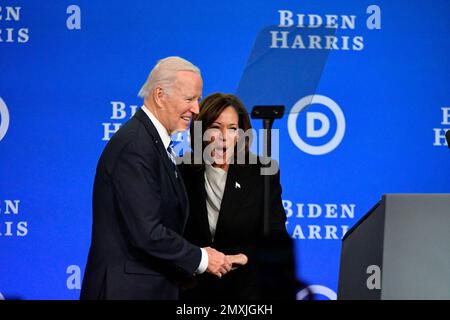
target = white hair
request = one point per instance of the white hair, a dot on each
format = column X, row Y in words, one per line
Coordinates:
column 164, row 73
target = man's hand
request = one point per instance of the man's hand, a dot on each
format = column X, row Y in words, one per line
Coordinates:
column 218, row 263
column 237, row 260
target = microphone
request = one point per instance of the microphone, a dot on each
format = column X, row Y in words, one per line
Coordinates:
column 447, row 137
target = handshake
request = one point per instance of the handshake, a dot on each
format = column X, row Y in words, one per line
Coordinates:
column 220, row 264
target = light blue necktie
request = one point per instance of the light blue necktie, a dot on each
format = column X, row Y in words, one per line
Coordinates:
column 172, row 155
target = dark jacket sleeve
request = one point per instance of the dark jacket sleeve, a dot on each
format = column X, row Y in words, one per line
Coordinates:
column 277, row 213
column 138, row 191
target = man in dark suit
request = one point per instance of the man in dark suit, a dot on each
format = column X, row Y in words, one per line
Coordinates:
column 140, row 206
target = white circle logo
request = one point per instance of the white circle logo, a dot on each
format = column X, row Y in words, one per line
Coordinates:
column 4, row 116
column 312, row 118
column 316, row 289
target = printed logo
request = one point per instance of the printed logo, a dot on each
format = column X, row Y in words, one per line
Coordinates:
column 306, row 293
column 314, row 221
column 11, row 18
column 4, row 119
column 120, row 113
column 318, row 32
column 313, row 118
column 11, row 227
column 439, row 133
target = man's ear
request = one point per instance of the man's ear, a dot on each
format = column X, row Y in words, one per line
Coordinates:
column 158, row 95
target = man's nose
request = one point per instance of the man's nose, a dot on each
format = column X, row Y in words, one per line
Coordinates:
column 195, row 108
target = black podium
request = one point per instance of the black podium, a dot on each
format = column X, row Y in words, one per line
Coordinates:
column 399, row 250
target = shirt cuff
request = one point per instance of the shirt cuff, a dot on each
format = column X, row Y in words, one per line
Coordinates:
column 203, row 263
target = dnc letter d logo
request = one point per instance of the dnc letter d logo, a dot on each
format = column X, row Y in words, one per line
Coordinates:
column 317, row 139
column 4, row 119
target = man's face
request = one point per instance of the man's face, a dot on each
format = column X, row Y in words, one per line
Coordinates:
column 181, row 101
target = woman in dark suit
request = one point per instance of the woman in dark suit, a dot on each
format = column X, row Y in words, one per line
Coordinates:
column 226, row 200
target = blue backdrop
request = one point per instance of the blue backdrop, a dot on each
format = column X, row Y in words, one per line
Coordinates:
column 365, row 85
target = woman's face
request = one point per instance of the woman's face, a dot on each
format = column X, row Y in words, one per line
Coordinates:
column 222, row 136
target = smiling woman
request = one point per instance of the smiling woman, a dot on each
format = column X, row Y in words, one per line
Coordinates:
column 226, row 200
column 224, row 122
column 222, row 135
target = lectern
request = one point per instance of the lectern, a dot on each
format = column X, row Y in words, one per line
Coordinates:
column 405, row 240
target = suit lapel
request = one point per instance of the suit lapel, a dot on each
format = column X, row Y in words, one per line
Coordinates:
column 236, row 188
column 183, row 191
column 203, row 211
column 177, row 184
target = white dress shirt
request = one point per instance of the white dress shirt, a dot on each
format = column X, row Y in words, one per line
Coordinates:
column 165, row 137
column 215, row 179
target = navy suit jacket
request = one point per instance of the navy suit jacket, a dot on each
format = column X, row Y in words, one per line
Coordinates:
column 140, row 209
